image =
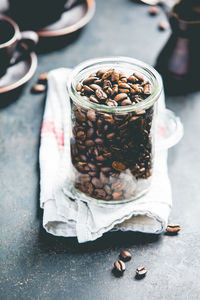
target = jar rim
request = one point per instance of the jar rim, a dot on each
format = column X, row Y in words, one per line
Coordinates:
column 146, row 103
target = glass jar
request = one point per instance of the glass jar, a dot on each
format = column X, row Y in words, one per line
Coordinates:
column 112, row 148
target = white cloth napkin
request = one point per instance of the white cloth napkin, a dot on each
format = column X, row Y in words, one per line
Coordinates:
column 70, row 217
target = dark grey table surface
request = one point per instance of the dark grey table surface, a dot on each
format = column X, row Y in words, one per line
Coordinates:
column 36, row 265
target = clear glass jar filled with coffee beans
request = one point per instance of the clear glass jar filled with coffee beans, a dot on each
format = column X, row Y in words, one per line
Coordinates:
column 113, row 109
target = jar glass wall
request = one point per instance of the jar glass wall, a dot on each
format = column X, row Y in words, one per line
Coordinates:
column 112, row 148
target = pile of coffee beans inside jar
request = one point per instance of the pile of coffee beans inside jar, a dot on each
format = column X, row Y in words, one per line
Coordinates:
column 112, row 152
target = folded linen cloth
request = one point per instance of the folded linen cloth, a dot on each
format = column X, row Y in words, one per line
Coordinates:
column 72, row 216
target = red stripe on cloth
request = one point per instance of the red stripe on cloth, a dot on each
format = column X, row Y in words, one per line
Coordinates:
column 48, row 127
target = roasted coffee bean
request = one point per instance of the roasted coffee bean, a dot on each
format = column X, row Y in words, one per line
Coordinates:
column 111, row 102
column 97, row 183
column 114, row 76
column 105, row 169
column 120, row 97
column 141, row 272
column 117, row 195
column 147, row 89
column 132, row 78
column 93, row 99
column 89, row 80
column 126, row 91
column 119, row 266
column 90, row 132
column 126, row 102
column 100, row 94
column 107, row 189
column 87, row 89
column 91, row 115
column 106, row 84
column 138, row 76
column 154, row 10
column 89, row 143
column 80, row 116
column 79, row 87
column 38, row 88
column 100, row 73
column 100, row 193
column 125, row 255
column 95, row 86
column 43, row 77
column 109, row 136
column 92, row 167
column 173, row 228
column 124, row 85
column 107, row 74
column 118, row 166
column 163, row 25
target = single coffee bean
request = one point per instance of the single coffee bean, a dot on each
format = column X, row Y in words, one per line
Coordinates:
column 93, row 99
column 107, row 74
column 132, row 78
column 126, row 102
column 173, row 228
column 147, row 89
column 118, row 166
column 95, row 86
column 100, row 73
column 91, row 115
column 106, row 84
column 100, row 94
column 125, row 255
column 120, row 97
column 90, row 132
column 126, row 91
column 154, row 10
column 87, row 89
column 138, row 76
column 119, row 266
column 97, row 183
column 109, row 136
column 89, row 80
column 89, row 143
column 163, row 25
column 124, row 85
column 38, row 88
column 141, row 272
column 43, row 77
column 117, row 195
column 79, row 87
column 80, row 116
column 111, row 102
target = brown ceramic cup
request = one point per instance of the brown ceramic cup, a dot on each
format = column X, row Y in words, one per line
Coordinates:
column 10, row 37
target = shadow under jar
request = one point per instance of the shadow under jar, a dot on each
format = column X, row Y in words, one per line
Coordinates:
column 112, row 141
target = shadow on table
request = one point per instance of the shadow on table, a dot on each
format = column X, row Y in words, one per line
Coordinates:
column 8, row 98
column 51, row 44
column 49, row 242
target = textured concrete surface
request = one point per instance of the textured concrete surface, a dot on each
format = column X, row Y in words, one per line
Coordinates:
column 35, row 265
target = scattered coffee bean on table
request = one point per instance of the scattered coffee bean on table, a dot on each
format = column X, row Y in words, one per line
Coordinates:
column 119, row 267
column 163, row 25
column 38, row 88
column 154, row 10
column 43, row 77
column 173, row 228
column 113, row 150
column 141, row 272
column 125, row 255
